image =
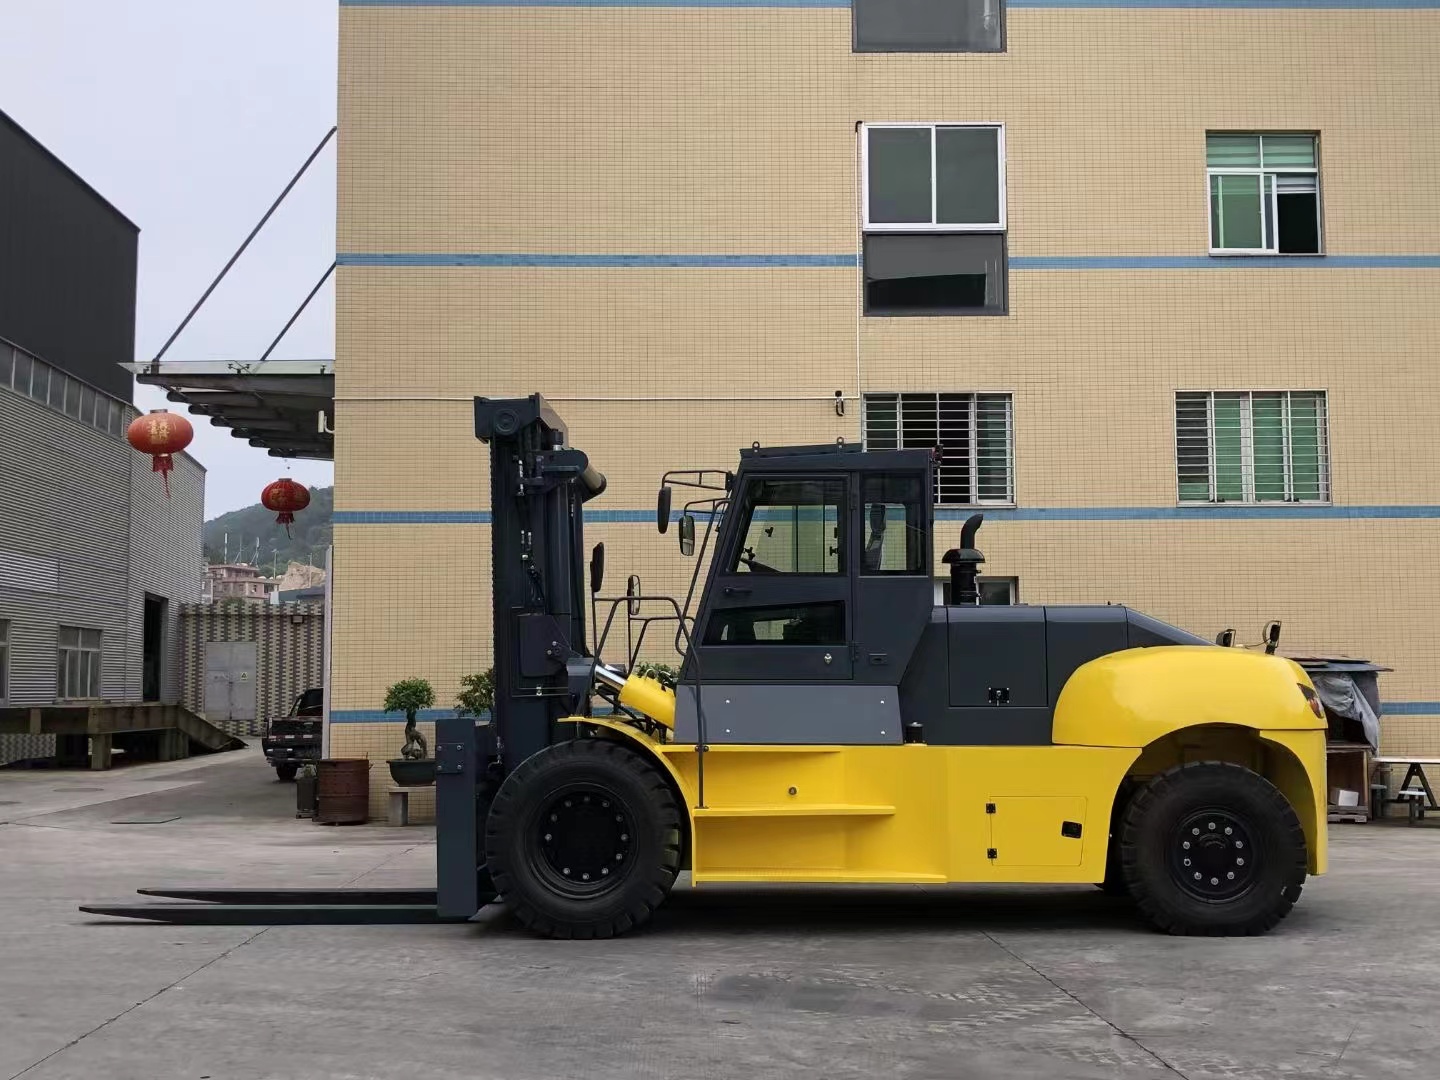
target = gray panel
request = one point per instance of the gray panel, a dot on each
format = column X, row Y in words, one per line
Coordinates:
column 999, row 649
column 789, row 714
column 1145, row 631
column 989, row 726
column 1077, row 635
column 928, row 25
column 967, row 176
column 899, row 175
column 230, row 681
column 68, row 261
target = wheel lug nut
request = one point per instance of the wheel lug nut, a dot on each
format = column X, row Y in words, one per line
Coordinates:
column 1187, row 862
column 1230, row 876
column 1239, row 843
column 569, row 804
column 1239, row 862
column 604, row 870
column 566, row 871
column 548, row 836
column 1214, row 881
column 619, row 818
column 624, row 837
column 1211, row 826
column 1194, row 832
column 1228, row 830
column 619, row 857
column 1197, row 875
column 584, row 877
column 553, row 817
column 605, row 805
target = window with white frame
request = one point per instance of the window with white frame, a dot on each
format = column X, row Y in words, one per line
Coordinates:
column 972, row 432
column 1252, row 446
column 1264, row 194
column 934, row 219
column 4, row 660
column 78, row 673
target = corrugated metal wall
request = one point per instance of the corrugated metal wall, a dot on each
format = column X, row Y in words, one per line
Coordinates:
column 167, row 558
column 290, row 653
column 85, row 533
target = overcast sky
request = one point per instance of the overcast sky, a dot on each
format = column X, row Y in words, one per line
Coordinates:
column 190, row 116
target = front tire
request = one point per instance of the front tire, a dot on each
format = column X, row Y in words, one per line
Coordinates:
column 286, row 773
column 583, row 840
column 1212, row 848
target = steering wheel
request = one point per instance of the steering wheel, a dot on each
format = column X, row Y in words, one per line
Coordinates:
column 747, row 557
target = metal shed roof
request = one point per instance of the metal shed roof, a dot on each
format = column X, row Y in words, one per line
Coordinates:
column 283, row 406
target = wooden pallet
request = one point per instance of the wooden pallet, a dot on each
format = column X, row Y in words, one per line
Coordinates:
column 1355, row 815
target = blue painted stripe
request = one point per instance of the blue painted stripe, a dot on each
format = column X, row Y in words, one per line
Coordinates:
column 552, row 261
column 1410, row 708
column 1339, row 5
column 1207, row 512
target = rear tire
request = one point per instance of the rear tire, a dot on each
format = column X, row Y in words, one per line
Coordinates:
column 583, row 840
column 286, row 773
column 1212, row 848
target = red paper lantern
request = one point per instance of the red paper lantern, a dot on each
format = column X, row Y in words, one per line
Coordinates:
column 162, row 435
column 285, row 497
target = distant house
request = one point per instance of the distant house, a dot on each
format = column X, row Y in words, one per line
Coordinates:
column 238, row 581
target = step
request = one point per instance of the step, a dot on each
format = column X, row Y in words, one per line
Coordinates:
column 795, row 810
column 787, row 875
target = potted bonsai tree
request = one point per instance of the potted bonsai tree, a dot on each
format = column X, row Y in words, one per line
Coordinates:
column 414, row 767
column 477, row 694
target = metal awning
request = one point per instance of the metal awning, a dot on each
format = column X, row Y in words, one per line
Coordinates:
column 283, row 406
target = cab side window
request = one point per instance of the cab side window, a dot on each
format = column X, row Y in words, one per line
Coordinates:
column 896, row 527
column 791, row 526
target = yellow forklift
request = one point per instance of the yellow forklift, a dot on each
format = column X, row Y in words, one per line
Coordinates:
column 831, row 722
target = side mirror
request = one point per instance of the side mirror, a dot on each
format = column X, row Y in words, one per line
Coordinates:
column 632, row 590
column 687, row 534
column 662, row 510
column 1225, row 639
column 597, row 568
column 1272, row 637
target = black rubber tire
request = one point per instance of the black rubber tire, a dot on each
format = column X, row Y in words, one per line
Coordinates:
column 1153, row 821
column 286, row 773
column 513, row 851
column 1115, row 883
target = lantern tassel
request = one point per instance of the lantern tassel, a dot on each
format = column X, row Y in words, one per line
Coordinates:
column 163, row 463
column 285, row 517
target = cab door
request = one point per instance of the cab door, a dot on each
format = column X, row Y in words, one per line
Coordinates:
column 778, row 608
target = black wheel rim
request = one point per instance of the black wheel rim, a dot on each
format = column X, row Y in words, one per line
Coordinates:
column 582, row 842
column 1213, row 856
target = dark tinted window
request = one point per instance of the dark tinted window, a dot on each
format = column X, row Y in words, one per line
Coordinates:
column 928, row 25
column 896, row 525
column 935, row 274
column 310, row 703
column 792, row 624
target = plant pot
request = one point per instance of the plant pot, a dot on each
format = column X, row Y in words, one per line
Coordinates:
column 407, row 773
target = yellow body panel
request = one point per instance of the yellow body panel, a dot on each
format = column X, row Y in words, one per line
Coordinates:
column 1134, row 697
column 921, row 813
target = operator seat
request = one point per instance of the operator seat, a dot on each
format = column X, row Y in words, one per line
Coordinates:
column 875, row 546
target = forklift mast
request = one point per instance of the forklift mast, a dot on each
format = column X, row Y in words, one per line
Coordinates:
column 537, row 487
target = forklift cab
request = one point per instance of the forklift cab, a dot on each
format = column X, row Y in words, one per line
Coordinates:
column 821, row 572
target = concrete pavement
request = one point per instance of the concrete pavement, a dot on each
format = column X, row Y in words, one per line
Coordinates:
column 728, row 982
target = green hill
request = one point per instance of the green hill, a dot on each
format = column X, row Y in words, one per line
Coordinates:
column 310, row 534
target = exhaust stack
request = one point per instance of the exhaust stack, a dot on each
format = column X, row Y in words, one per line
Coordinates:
column 964, row 563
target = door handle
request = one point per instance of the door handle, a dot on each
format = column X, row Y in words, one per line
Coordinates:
column 736, row 590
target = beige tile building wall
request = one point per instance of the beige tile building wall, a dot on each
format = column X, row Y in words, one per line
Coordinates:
column 476, row 138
